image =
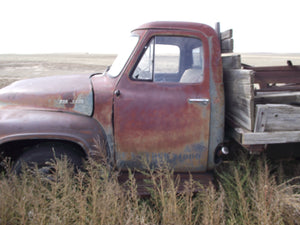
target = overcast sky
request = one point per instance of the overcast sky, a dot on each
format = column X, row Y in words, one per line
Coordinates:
column 98, row 26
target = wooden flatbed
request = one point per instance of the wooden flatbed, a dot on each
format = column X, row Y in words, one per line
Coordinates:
column 262, row 103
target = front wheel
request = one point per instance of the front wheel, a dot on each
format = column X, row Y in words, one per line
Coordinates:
column 43, row 155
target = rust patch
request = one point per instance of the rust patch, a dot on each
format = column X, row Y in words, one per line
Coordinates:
column 64, row 93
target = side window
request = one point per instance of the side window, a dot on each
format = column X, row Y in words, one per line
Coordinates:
column 166, row 62
column 166, row 58
column 197, row 57
column 171, row 59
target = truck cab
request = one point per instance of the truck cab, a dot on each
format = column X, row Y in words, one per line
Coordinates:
column 168, row 100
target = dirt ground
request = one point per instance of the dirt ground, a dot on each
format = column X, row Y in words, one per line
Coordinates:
column 15, row 67
column 268, row 59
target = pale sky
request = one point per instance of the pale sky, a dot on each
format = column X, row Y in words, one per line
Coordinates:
column 97, row 26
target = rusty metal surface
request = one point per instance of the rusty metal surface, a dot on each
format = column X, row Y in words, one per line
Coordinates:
column 217, row 116
column 104, row 87
column 19, row 124
column 174, row 26
column 255, row 149
column 154, row 121
column 64, row 93
column 51, row 108
column 164, row 127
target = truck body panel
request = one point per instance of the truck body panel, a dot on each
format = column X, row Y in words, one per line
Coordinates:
column 33, row 125
column 156, row 120
column 57, row 93
column 104, row 87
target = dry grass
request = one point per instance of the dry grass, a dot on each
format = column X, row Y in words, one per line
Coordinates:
column 257, row 195
column 247, row 193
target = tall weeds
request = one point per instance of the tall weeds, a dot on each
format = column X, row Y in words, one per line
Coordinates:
column 254, row 197
column 247, row 191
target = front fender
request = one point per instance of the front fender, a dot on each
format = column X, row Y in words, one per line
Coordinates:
column 85, row 131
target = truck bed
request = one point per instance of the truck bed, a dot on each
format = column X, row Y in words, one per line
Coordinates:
column 262, row 103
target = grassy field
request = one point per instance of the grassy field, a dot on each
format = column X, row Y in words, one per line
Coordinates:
column 246, row 191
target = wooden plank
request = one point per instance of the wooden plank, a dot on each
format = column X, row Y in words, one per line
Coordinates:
column 276, row 93
column 231, row 61
column 227, row 34
column 276, row 74
column 227, row 45
column 239, row 97
column 261, row 118
column 239, row 75
column 245, row 137
column 281, row 117
column 279, row 88
column 240, row 115
column 277, row 98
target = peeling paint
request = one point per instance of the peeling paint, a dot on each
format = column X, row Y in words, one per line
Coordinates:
column 64, row 93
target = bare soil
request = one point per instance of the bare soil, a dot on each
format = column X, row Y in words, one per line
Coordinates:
column 269, row 59
column 16, row 67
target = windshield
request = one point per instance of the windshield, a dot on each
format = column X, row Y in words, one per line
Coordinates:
column 123, row 56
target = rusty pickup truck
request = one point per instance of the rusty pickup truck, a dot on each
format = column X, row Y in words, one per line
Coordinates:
column 163, row 98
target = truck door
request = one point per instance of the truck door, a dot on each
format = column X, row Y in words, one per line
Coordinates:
column 162, row 108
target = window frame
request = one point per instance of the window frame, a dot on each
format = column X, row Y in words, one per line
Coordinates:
column 181, row 63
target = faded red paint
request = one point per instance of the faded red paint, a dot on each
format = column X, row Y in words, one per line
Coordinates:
column 155, row 120
column 19, row 124
column 63, row 93
column 103, row 87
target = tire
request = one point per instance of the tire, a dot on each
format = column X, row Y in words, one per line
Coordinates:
column 41, row 154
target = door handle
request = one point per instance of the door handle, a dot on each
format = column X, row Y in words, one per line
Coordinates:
column 202, row 101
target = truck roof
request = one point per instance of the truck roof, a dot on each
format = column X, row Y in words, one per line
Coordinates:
column 174, row 25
